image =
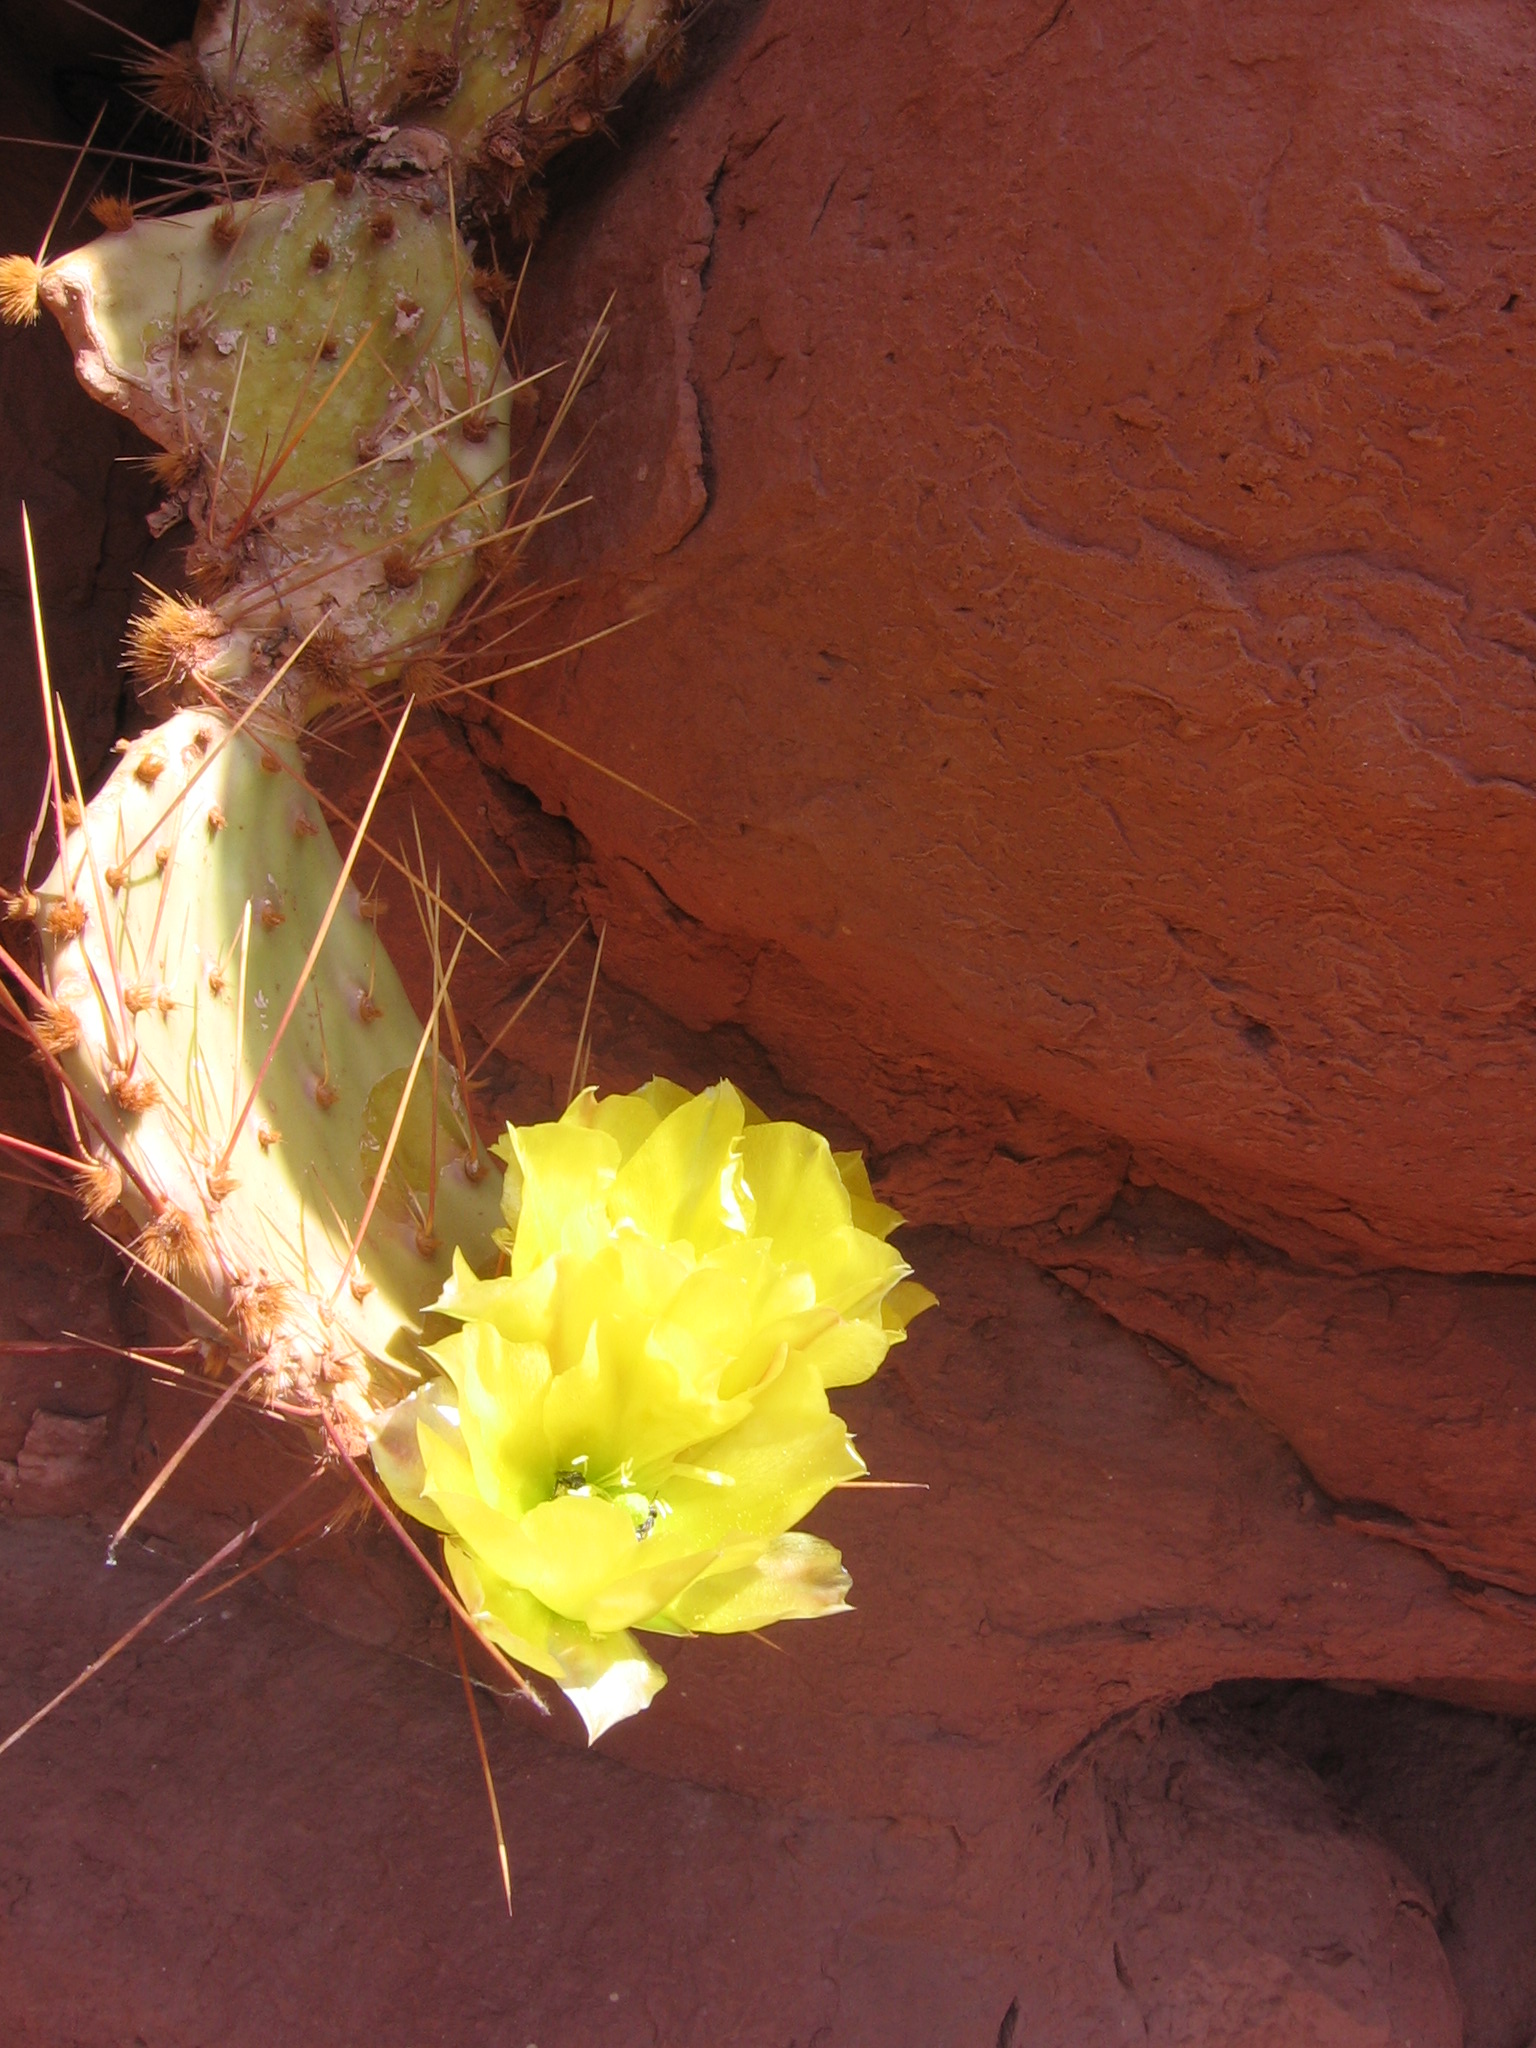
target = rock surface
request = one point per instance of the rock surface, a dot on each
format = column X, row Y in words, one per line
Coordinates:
column 1070, row 467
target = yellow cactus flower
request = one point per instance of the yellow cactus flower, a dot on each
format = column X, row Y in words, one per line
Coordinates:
column 635, row 1416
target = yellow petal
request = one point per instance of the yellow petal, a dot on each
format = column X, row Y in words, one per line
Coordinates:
column 853, row 1271
column 868, row 1214
column 664, row 1096
column 628, row 1119
column 849, row 1353
column 684, row 1182
column 522, row 1310
column 797, row 1188
column 626, row 1405
column 397, row 1457
column 907, row 1299
column 505, row 1148
column 567, row 1173
column 630, row 1602
column 445, row 1459
column 502, row 1389
column 763, row 1476
column 563, row 1552
column 606, row 1678
column 796, row 1577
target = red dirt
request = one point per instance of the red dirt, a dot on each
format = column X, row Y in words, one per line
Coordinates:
column 1067, row 467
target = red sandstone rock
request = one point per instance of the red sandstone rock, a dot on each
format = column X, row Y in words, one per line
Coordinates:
column 1071, row 469
column 1205, row 1832
column 1409, row 1397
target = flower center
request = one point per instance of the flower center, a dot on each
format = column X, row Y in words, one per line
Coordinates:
column 644, row 1510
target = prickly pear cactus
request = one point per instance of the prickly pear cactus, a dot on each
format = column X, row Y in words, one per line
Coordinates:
column 334, row 410
column 625, row 1427
column 244, row 1142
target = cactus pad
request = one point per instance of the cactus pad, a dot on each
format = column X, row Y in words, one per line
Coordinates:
column 170, row 951
column 490, row 85
column 334, row 409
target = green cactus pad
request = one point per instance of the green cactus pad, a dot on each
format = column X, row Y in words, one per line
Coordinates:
column 422, row 82
column 225, row 896
column 367, row 455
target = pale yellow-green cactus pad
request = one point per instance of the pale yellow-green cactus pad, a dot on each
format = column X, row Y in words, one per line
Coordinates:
column 635, row 1416
column 174, row 933
column 333, row 401
column 443, row 68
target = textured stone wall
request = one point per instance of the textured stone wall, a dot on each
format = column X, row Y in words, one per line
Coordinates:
column 1071, row 466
